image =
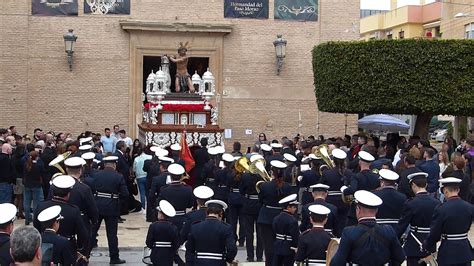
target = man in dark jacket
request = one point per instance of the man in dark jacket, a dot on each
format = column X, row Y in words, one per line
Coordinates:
column 431, row 167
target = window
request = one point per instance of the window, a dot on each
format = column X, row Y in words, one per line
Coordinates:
column 469, row 32
column 389, row 36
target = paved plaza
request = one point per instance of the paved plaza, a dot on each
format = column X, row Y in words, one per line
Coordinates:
column 132, row 235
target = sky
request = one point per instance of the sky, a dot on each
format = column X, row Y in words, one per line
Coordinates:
column 385, row 4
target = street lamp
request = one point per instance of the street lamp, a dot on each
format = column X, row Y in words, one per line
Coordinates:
column 69, row 40
column 463, row 15
column 280, row 50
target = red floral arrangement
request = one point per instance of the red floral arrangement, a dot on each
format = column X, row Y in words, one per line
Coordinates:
column 178, row 107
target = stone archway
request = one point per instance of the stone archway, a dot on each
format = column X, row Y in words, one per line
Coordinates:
column 152, row 38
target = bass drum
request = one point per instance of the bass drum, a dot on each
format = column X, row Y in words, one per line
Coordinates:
column 332, row 249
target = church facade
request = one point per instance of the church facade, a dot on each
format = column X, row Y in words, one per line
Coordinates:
column 114, row 54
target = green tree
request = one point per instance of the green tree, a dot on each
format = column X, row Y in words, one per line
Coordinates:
column 414, row 76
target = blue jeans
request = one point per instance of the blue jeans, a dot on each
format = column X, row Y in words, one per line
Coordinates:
column 141, row 182
column 31, row 195
column 6, row 192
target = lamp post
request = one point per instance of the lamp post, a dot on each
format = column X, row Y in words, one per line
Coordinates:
column 280, row 50
column 69, row 40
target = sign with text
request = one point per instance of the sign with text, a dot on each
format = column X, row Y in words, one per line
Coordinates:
column 115, row 7
column 301, row 10
column 246, row 9
column 54, row 7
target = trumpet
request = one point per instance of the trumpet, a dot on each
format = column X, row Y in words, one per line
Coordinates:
column 258, row 167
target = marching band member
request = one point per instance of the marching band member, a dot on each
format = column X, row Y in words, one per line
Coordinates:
column 270, row 194
column 82, row 197
column 50, row 219
column 313, row 243
column 110, row 189
column 336, row 178
column 309, row 178
column 285, row 227
column 368, row 243
column 178, row 194
column 291, row 172
column 235, row 201
column 451, row 223
column 320, row 192
column 416, row 215
column 157, row 183
column 211, row 242
column 364, row 180
column 7, row 218
column 72, row 226
column 250, row 210
column 162, row 237
column 202, row 194
column 390, row 211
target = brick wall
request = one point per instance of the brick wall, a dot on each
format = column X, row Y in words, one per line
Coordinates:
column 40, row 91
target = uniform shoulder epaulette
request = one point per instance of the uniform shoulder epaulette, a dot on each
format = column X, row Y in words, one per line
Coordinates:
column 196, row 222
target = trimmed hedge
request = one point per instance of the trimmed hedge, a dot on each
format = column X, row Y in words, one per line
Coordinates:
column 414, row 76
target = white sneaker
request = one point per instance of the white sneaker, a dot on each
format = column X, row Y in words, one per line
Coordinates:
column 143, row 211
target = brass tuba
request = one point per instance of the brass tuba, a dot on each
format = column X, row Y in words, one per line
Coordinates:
column 322, row 151
column 56, row 162
column 258, row 167
column 242, row 165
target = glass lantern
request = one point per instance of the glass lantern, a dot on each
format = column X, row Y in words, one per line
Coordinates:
column 150, row 81
column 160, row 80
column 197, row 82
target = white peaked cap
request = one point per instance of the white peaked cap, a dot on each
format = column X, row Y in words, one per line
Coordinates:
column 278, row 164
column 388, row 174
column 319, row 209
column 8, row 213
column 276, row 145
column 291, row 199
column 88, row 156
column 227, row 157
column 63, row 181
column 176, row 169
column 165, row 207
column 339, row 154
column 203, row 192
column 367, row 198
column 74, row 162
column 265, row 147
column 449, row 181
column 216, row 203
column 319, row 187
column 289, row 157
column 85, row 147
column 110, row 159
column 255, row 157
column 366, row 157
column 48, row 214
